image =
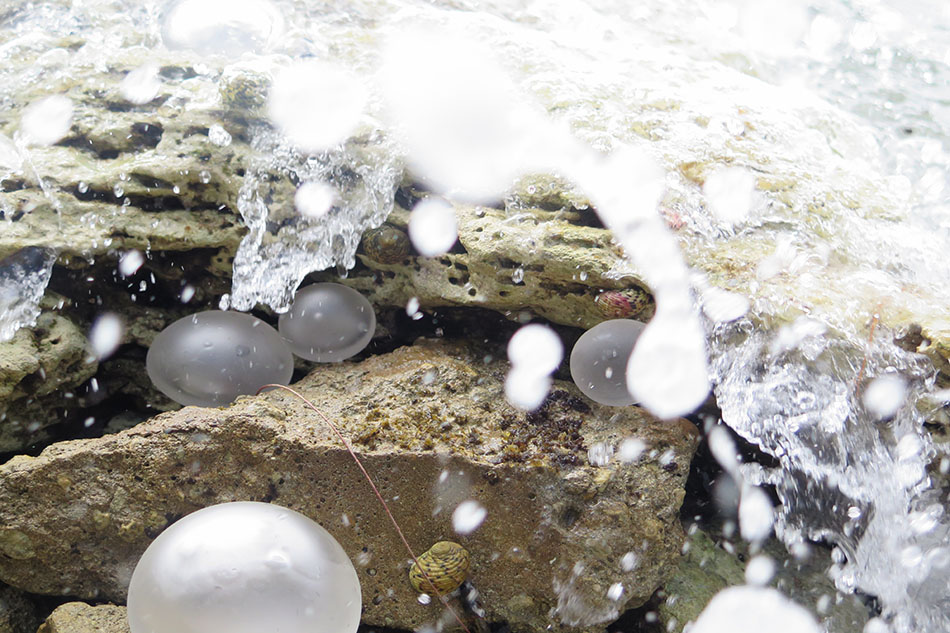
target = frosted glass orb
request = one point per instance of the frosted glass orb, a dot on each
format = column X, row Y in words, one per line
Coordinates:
column 210, row 358
column 244, row 567
column 599, row 361
column 327, row 323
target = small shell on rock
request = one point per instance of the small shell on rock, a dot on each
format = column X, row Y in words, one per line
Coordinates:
column 446, row 564
column 621, row 304
column 386, row 244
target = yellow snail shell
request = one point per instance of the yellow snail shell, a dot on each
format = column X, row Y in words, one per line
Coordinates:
column 447, row 565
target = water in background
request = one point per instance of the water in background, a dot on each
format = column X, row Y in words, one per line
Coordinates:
column 839, row 108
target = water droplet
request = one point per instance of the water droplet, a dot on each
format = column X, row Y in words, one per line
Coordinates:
column 219, row 136
column 468, row 516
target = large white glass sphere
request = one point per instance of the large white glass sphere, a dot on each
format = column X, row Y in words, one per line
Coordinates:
column 210, row 358
column 599, row 361
column 327, row 323
column 244, row 567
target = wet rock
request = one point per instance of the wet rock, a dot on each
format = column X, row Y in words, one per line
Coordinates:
column 433, row 428
column 39, row 369
column 542, row 262
column 704, row 570
column 17, row 613
column 79, row 617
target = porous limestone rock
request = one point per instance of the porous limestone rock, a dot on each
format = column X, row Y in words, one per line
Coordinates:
column 432, row 426
column 79, row 617
column 548, row 263
column 39, row 368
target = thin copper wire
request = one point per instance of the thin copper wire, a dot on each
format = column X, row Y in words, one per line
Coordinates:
column 864, row 362
column 382, row 501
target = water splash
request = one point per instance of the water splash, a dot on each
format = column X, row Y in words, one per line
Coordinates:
column 843, row 476
column 282, row 245
column 23, row 279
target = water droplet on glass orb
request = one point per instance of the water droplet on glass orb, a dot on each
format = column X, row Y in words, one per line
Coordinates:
column 195, row 360
column 244, row 567
column 599, row 361
column 328, row 323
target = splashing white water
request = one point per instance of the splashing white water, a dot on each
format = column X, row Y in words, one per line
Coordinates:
column 23, row 279
column 365, row 172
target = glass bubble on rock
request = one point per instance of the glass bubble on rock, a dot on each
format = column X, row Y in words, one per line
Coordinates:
column 599, row 361
column 209, row 358
column 244, row 567
column 328, row 323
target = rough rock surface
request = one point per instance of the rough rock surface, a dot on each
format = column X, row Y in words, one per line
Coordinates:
column 543, row 261
column 39, row 368
column 704, row 571
column 707, row 568
column 79, row 617
column 17, row 613
column 76, row 518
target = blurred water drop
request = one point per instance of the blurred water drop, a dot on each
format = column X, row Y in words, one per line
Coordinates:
column 467, row 516
column 631, row 449
column 526, row 389
column 728, row 193
column 314, row 199
column 599, row 454
column 412, row 308
column 667, row 370
column 315, row 105
column 615, row 591
column 433, row 228
column 141, row 85
column 629, row 561
column 47, row 120
column 759, row 570
column 723, row 306
column 222, row 27
column 537, row 348
column 219, row 136
column 755, row 514
column 885, row 395
column 748, row 608
column 106, row 334
column 130, row 262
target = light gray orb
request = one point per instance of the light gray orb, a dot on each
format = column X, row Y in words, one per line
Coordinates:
column 327, row 323
column 244, row 567
column 599, row 361
column 210, row 358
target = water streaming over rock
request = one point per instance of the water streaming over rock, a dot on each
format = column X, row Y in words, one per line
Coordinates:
column 838, row 109
column 283, row 245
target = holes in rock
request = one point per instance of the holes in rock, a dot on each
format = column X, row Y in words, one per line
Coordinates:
column 569, row 516
column 146, row 134
column 151, row 182
column 177, row 72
